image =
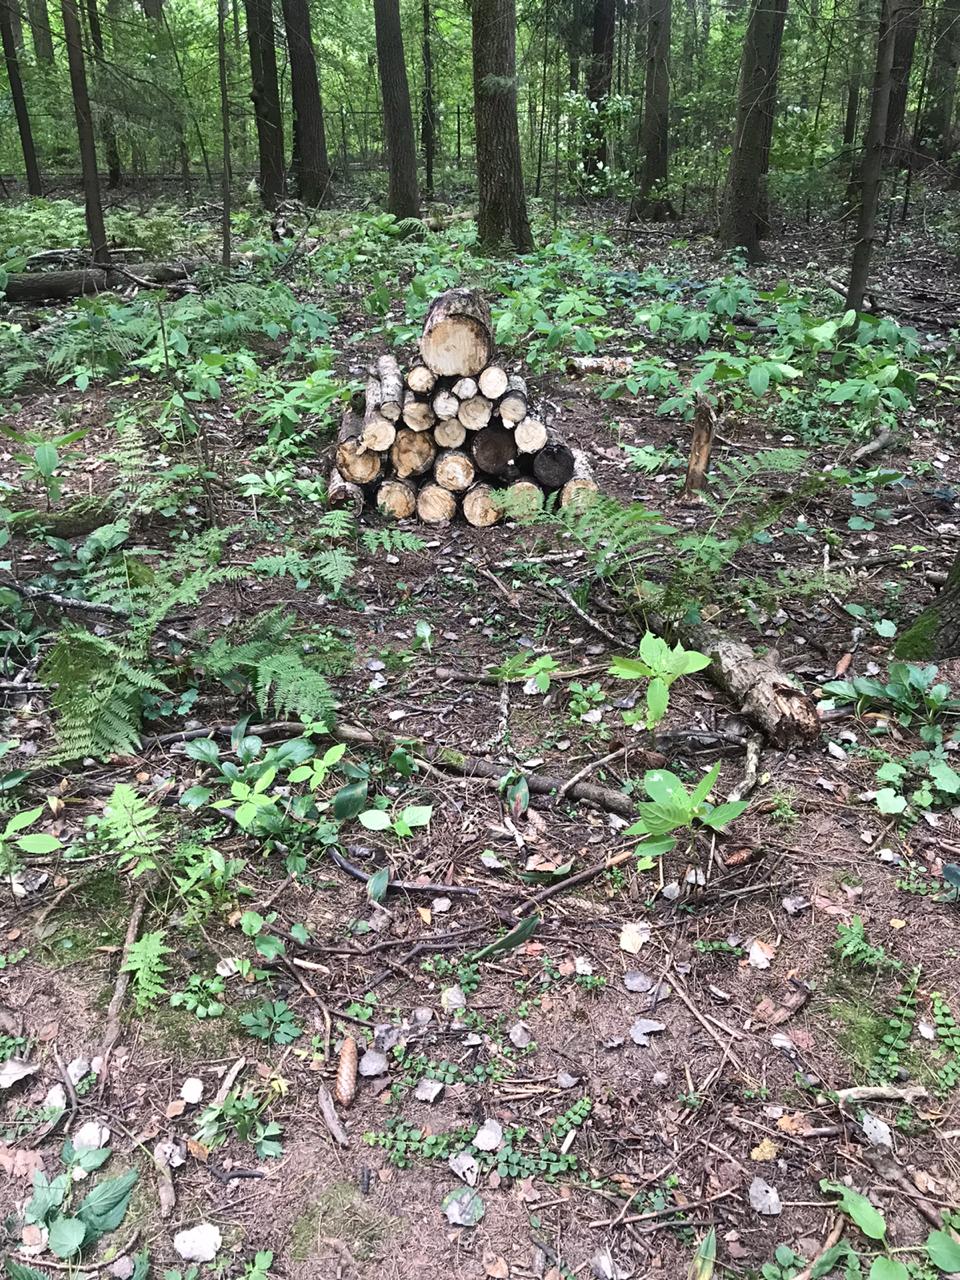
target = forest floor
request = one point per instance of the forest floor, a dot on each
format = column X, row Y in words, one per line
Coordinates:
column 809, row 947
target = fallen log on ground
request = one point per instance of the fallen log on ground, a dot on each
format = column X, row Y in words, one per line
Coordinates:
column 457, row 338
column 55, row 286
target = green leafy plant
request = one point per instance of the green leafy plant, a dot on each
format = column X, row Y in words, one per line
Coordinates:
column 660, row 666
column 15, row 839
column 273, row 1021
column 201, row 997
column 896, row 1033
column 74, row 1229
column 671, row 807
column 240, row 1115
column 854, row 948
column 147, row 968
column 402, row 824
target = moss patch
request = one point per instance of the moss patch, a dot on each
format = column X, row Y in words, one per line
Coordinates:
column 341, row 1212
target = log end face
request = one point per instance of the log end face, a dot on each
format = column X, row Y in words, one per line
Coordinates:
column 457, row 346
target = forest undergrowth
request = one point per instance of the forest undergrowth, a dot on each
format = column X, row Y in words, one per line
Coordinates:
column 631, row 990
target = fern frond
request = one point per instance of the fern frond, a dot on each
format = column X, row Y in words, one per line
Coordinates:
column 390, row 539
column 129, row 828
column 334, row 567
column 147, row 968
column 293, row 688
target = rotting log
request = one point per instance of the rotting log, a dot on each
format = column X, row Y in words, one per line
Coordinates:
column 343, row 493
column 481, row 506
column 493, row 381
column 701, row 449
column 553, row 465
column 457, row 339
column 421, row 379
column 354, row 461
column 412, row 453
column 530, row 435
column 54, row 286
column 514, row 402
column 450, row 434
column 436, row 505
column 582, row 485
column 454, row 470
column 397, row 499
column 391, row 384
column 493, row 449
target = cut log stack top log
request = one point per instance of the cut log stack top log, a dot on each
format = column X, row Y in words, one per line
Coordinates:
column 457, row 432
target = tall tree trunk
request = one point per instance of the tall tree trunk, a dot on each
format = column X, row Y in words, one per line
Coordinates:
column 40, row 30
column 428, row 130
column 938, row 117
column 855, row 77
column 225, row 185
column 656, row 106
column 573, row 41
column 88, row 148
column 599, row 80
column 756, row 97
column 265, row 96
column 871, row 169
column 936, row 633
column 313, row 166
column 903, row 48
column 403, row 196
column 768, row 113
column 502, row 200
column 15, row 18
column 107, row 130
column 12, row 60
column 152, row 9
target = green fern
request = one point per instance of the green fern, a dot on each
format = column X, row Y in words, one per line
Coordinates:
column 147, row 968
column 129, row 828
column 948, row 1034
column 853, row 946
column 293, row 688
column 334, row 566
column 390, row 540
column 897, row 1031
column 334, row 524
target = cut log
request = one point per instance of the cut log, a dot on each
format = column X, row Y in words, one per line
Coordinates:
column 766, row 694
column 378, row 432
column 530, row 435
column 454, row 470
column 436, row 505
column 355, row 461
column 373, row 394
column 418, row 414
column 412, row 453
column 457, row 339
column 493, row 381
column 341, row 493
column 475, row 412
column 612, row 366
column 465, row 388
column 397, row 499
column 513, row 405
column 445, row 405
column 450, row 434
column 421, row 379
column 701, row 447
column 43, row 286
column 553, row 465
column 391, row 382
column 481, row 506
column 493, row 449
column 578, row 491
column 522, row 498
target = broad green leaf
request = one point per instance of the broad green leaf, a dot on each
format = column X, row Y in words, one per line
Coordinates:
column 38, row 842
column 888, row 1269
column 349, row 800
column 18, row 1271
column 517, row 936
column 704, row 787
column 251, row 922
column 45, row 457
column 724, row 813
column 66, row 1237
column 870, row 1220
column 518, row 797
column 378, row 884
column 889, row 802
column 417, row 815
column 104, row 1207
column 269, row 945
column 759, row 379
column 195, row 797
column 375, row 820
column 203, row 749
column 946, row 778
column 944, row 1251
column 46, row 1197
column 658, row 699
column 21, row 820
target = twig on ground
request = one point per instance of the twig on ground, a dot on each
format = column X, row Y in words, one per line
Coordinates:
column 581, row 877
column 592, row 623
column 833, row 1238
column 589, row 768
column 228, row 1081
column 750, row 770
column 331, row 1119
column 87, row 1266
column 112, row 1034
column 404, row 886
column 881, row 1093
column 876, row 445
column 671, row 1211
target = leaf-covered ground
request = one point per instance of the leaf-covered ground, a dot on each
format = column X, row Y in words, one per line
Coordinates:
column 662, row 1050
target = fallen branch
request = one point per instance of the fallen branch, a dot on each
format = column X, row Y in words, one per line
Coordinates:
column 670, row 1211
column 836, row 1231
column 581, row 877
column 112, row 1034
column 331, row 1119
column 48, row 286
column 876, row 445
column 403, row 886
column 881, row 1093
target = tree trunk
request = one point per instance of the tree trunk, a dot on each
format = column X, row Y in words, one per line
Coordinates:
column 265, row 95
column 313, row 166
column 903, row 48
column 225, row 184
column 936, row 633
column 403, row 198
column 937, row 132
column 88, row 149
column 153, row 9
column 871, row 169
column 502, row 201
column 428, row 132
column 656, row 105
column 756, row 96
column 24, row 128
column 40, row 30
column 107, row 129
column 599, row 79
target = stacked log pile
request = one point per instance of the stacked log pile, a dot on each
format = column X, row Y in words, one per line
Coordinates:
column 457, row 432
